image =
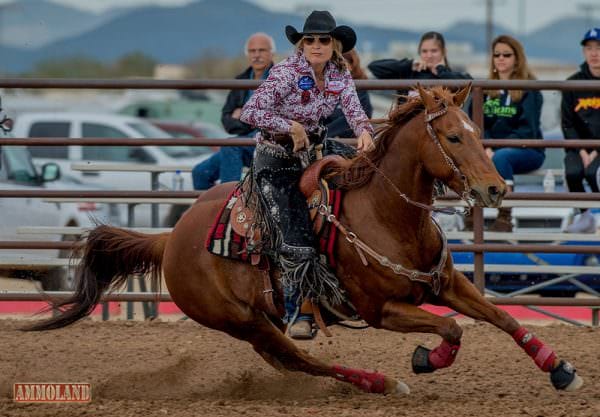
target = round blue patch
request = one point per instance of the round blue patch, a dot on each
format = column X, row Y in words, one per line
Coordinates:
column 306, row 82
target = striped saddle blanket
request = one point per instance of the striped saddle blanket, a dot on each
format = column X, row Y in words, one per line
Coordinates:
column 232, row 234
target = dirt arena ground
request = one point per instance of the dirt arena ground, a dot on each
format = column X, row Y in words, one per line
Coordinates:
column 183, row 369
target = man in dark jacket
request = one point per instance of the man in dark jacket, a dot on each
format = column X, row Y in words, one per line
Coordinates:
column 580, row 119
column 227, row 164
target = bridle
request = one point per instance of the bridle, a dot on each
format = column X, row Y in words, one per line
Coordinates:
column 429, row 117
column 466, row 193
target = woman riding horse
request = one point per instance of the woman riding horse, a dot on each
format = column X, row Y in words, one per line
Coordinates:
column 288, row 107
column 395, row 259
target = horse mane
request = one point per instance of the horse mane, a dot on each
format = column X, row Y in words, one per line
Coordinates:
column 360, row 169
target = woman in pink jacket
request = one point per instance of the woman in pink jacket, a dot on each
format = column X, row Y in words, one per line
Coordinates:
column 288, row 109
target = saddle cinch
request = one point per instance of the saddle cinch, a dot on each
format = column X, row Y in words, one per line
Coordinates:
column 241, row 218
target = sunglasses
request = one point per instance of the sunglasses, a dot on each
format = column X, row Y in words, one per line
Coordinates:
column 505, row 55
column 323, row 40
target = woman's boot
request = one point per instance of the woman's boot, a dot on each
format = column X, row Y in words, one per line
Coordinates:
column 503, row 222
column 302, row 328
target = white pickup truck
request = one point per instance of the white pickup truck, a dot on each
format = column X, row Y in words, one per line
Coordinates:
column 93, row 125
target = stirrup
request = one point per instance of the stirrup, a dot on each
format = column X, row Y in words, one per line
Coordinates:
column 302, row 330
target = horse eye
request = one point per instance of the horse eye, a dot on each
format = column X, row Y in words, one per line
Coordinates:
column 454, row 139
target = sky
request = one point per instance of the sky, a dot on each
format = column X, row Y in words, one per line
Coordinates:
column 521, row 16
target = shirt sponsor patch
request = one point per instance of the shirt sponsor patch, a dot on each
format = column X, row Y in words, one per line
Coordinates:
column 335, row 86
column 305, row 83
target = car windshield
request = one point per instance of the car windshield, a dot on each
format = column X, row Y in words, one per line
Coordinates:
column 19, row 167
column 150, row 131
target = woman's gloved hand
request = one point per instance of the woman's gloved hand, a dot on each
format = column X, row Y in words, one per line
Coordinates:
column 299, row 136
column 365, row 142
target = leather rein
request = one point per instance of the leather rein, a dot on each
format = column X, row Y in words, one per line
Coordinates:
column 432, row 278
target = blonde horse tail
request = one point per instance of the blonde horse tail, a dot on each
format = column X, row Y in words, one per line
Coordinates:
column 109, row 256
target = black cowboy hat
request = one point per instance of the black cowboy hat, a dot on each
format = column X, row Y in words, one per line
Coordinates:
column 323, row 22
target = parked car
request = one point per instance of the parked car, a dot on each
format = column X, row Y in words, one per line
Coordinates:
column 198, row 130
column 88, row 125
column 18, row 172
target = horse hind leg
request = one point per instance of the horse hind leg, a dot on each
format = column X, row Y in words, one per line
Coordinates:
column 281, row 353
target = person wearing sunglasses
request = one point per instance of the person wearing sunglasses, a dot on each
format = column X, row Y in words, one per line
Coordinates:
column 432, row 64
column 511, row 114
column 288, row 108
column 580, row 119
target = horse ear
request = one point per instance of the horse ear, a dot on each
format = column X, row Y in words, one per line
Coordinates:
column 462, row 95
column 427, row 99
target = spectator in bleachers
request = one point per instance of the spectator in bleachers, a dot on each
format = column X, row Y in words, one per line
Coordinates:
column 511, row 114
column 580, row 119
column 432, row 64
column 336, row 123
column 227, row 164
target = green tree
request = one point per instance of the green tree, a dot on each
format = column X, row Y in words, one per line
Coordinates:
column 70, row 67
column 212, row 64
column 134, row 64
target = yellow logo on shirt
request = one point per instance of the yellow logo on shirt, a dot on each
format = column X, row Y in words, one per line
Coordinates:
column 588, row 103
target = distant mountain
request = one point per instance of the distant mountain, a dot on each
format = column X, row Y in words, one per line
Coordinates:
column 473, row 33
column 181, row 34
column 29, row 24
column 559, row 40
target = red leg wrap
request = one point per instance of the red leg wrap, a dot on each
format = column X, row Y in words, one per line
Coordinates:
column 541, row 354
column 443, row 355
column 369, row 381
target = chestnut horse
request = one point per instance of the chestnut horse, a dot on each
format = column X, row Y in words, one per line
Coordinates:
column 429, row 137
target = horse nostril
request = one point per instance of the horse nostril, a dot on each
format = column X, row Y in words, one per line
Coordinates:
column 493, row 190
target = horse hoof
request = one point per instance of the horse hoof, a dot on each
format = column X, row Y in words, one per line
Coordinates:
column 420, row 361
column 401, row 389
column 564, row 377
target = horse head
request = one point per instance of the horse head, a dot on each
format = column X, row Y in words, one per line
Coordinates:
column 452, row 151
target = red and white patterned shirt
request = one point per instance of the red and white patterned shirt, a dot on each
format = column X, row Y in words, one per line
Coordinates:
column 290, row 93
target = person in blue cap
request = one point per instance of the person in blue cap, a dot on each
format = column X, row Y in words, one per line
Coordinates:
column 580, row 119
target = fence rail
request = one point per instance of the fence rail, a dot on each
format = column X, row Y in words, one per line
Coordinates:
column 165, row 297
column 456, row 247
column 512, row 143
column 226, row 84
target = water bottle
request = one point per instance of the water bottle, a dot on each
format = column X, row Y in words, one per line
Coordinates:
column 177, row 181
column 549, row 182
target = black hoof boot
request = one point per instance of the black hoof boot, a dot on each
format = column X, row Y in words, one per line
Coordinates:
column 564, row 377
column 420, row 361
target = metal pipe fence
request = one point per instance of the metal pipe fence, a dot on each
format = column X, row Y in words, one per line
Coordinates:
column 479, row 86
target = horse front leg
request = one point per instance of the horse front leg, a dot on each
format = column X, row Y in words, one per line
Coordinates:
column 407, row 318
column 462, row 296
